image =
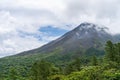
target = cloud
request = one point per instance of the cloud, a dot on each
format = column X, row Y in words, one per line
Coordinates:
column 21, row 20
column 16, row 36
column 105, row 12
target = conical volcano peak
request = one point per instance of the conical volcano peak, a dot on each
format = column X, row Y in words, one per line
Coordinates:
column 91, row 26
column 85, row 36
column 87, row 25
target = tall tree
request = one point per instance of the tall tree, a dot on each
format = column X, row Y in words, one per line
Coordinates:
column 73, row 66
column 117, row 52
column 41, row 70
column 110, row 51
column 94, row 61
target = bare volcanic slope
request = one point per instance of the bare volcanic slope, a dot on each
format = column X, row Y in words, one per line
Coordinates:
column 80, row 39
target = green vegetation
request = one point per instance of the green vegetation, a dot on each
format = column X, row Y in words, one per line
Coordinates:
column 53, row 66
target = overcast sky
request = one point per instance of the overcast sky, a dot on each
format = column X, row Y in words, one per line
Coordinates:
column 28, row 24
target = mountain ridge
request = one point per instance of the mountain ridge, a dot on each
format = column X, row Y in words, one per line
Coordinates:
column 86, row 35
column 77, row 43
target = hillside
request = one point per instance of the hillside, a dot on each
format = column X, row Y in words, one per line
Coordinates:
column 85, row 40
column 85, row 36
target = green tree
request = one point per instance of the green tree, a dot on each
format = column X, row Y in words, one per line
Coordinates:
column 117, row 52
column 57, row 77
column 41, row 70
column 13, row 74
column 113, row 52
column 1, row 76
column 94, row 61
column 110, row 51
column 87, row 73
column 73, row 66
column 111, row 74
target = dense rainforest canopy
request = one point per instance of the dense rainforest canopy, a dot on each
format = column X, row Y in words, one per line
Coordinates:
column 105, row 67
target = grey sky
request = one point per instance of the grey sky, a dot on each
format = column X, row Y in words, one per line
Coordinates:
column 28, row 16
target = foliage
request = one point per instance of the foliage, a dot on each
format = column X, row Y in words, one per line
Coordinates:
column 41, row 70
column 113, row 51
column 87, row 73
column 55, row 66
column 57, row 77
column 94, row 61
column 73, row 66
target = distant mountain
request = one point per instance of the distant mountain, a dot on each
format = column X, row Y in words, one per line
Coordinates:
column 80, row 39
column 82, row 42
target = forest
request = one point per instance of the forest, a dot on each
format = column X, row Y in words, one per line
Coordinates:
column 106, row 67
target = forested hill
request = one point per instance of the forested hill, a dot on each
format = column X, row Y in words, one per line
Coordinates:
column 82, row 68
column 77, row 54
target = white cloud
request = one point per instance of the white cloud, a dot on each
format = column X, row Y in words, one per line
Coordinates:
column 14, row 36
column 18, row 18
